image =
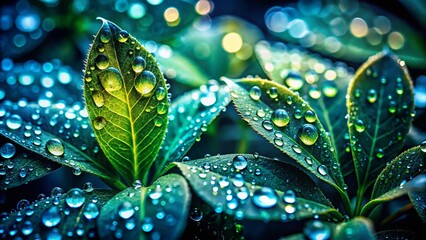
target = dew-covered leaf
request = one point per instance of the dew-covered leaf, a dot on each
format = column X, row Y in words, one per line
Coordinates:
column 157, row 211
column 351, row 30
column 58, row 133
column 320, row 82
column 126, row 99
column 397, row 234
column 72, row 214
column 290, row 124
column 401, row 176
column 380, row 107
column 19, row 166
column 418, row 199
column 256, row 187
column 357, row 228
column 189, row 116
column 314, row 229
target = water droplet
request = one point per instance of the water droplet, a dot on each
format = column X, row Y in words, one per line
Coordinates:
column 88, row 187
column 265, row 197
column 22, row 204
column 126, row 210
column 22, row 172
column 289, row 208
column 106, row 34
column 99, row 123
column 392, row 107
column 329, row 88
column 359, row 126
column 314, row 92
column 316, row 230
column 123, row 35
column 138, row 64
column 273, row 92
column 296, row 149
column 27, row 228
column 294, row 80
column 160, row 94
column 98, row 98
column 51, row 217
column 196, row 214
column 322, row 169
column 255, row 93
column 308, row 134
column 91, row 211
column 14, row 122
column 207, row 98
column 8, row 150
column 156, row 193
column 267, row 125
column 399, row 89
column 75, row 198
column 289, row 196
column 280, row 117
column 308, row 160
column 55, row 147
column 238, row 180
column 56, row 192
column 372, row 96
column 147, row 225
column 111, row 79
column 423, row 146
column 76, row 171
column 239, row 162
column 145, row 82
column 260, row 113
column 102, row 61
column 310, row 116
column 158, row 121
column 380, row 153
column 298, row 114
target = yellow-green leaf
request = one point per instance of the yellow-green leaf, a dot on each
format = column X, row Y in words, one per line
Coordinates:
column 126, row 100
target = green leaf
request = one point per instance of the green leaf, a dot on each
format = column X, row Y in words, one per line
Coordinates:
column 53, row 216
column 320, row 82
column 126, row 99
column 189, row 115
column 289, row 123
column 418, row 199
column 26, row 165
column 57, row 133
column 357, row 228
column 315, row 229
column 255, row 187
column 160, row 210
column 399, row 177
column 397, row 234
column 380, row 107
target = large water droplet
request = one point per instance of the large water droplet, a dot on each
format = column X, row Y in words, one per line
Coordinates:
column 98, row 98
column 91, row 211
column 310, row 116
column 106, row 34
column 280, row 117
column 294, row 80
column 359, row 126
column 8, row 150
column 255, row 93
column 14, row 122
column 138, row 64
column 289, row 196
column 111, row 79
column 316, row 230
column 102, row 61
column 51, row 217
column 99, row 123
column 372, row 96
column 145, row 82
column 240, row 162
column 126, row 210
column 55, row 147
column 265, row 197
column 75, row 198
column 308, row 134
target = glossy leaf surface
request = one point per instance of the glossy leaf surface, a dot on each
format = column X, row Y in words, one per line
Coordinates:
column 256, row 187
column 289, row 123
column 380, row 107
column 357, row 228
column 126, row 100
column 418, row 199
column 160, row 210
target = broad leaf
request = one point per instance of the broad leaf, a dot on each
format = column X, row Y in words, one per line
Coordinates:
column 255, row 187
column 380, row 107
column 357, row 228
column 290, row 124
column 157, row 211
column 399, row 177
column 126, row 99
column 320, row 82
column 189, row 116
column 19, row 166
column 57, row 133
column 418, row 199
column 73, row 214
column 314, row 229
column 397, row 234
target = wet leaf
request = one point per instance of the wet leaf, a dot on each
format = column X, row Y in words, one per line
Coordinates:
column 397, row 234
column 315, row 229
column 126, row 99
column 189, row 116
column 401, row 176
column 19, row 166
column 53, row 217
column 380, row 106
column 418, row 199
column 289, row 123
column 157, row 211
column 320, row 82
column 255, row 187
column 357, row 228
column 57, row 133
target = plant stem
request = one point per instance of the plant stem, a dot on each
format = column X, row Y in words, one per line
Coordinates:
column 397, row 214
column 346, row 201
column 359, row 197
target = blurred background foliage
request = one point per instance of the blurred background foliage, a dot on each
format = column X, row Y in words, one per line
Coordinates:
column 43, row 44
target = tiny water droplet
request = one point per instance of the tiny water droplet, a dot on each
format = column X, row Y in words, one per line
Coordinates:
column 265, row 197
column 160, row 93
column 123, row 35
column 147, row 225
column 55, row 147
column 298, row 114
column 106, row 34
column 99, row 123
column 267, row 125
column 75, row 198
column 380, row 153
column 145, row 82
column 294, row 80
column 280, row 117
column 56, row 192
column 260, row 113
column 314, row 92
column 162, row 108
column 196, row 214
column 310, row 116
column 98, row 98
column 296, row 149
column 372, row 96
column 138, row 64
column 273, row 92
column 51, row 217
column 239, row 162
column 308, row 134
column 102, row 61
column 289, row 196
column 399, row 89
column 255, row 93
column 329, row 88
column 308, row 160
column 359, row 126
column 392, row 107
column 126, row 210
column 111, row 79
column 158, row 121
column 14, row 122
column 76, row 171
column 88, row 187
column 322, row 169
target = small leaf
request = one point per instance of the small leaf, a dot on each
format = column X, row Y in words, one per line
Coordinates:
column 189, row 116
column 287, row 121
column 418, row 199
column 255, row 187
column 380, row 106
column 157, row 211
column 399, row 177
column 397, row 234
column 126, row 98
column 53, row 217
column 320, row 82
column 357, row 228
column 20, row 166
column 57, row 133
